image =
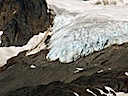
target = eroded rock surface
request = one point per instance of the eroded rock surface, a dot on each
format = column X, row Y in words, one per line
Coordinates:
column 21, row 19
column 100, row 69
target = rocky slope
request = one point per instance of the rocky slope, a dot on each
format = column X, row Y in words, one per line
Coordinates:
column 21, row 19
column 104, row 68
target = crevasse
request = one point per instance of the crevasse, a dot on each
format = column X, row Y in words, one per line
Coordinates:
column 78, row 36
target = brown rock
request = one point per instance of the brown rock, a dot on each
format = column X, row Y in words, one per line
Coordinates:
column 21, row 19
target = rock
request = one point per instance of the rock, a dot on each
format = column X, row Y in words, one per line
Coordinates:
column 83, row 86
column 41, row 90
column 21, row 19
column 18, row 74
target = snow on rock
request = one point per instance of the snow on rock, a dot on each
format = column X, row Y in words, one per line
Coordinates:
column 109, row 92
column 109, row 69
column 76, row 94
column 92, row 28
column 88, row 90
column 8, row 52
column 1, row 32
column 78, row 70
column 32, row 66
column 126, row 73
column 34, row 45
column 121, row 94
column 100, row 71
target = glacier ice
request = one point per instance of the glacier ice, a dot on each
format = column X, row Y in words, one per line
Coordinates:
column 78, row 36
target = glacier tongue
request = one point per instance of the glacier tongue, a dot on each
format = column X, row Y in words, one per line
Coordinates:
column 81, row 28
column 78, row 36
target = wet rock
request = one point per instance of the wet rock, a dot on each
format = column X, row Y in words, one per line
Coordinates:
column 21, row 19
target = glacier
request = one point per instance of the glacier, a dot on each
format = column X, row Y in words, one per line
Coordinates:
column 77, row 33
column 77, row 37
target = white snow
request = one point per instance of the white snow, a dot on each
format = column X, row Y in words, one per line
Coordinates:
column 121, row 94
column 8, row 52
column 14, row 11
column 34, row 45
column 76, row 94
column 100, row 71
column 78, row 70
column 110, row 92
column 126, row 73
column 88, row 90
column 109, row 89
column 32, row 66
column 1, row 32
column 107, row 94
column 109, row 69
column 101, row 91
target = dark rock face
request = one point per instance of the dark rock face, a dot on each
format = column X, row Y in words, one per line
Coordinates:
column 115, row 79
column 18, row 74
column 21, row 19
column 42, row 90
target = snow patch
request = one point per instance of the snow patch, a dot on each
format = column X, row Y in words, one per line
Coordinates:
column 121, row 94
column 7, row 53
column 78, row 70
column 109, row 89
column 109, row 69
column 32, row 66
column 126, row 73
column 76, row 94
column 1, row 32
column 88, row 90
column 14, row 11
column 110, row 92
column 100, row 71
column 34, row 45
